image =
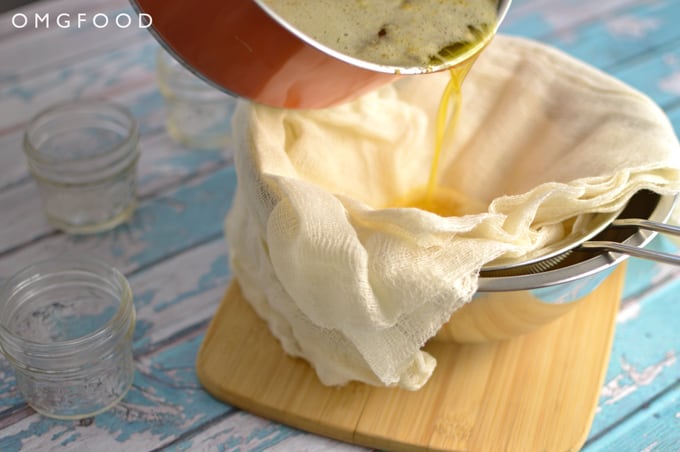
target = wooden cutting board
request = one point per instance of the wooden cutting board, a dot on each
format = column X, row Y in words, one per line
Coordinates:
column 537, row 392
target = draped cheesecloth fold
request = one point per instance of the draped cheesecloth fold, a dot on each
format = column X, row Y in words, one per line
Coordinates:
column 356, row 287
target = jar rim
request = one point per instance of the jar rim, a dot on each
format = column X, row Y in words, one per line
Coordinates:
column 92, row 339
column 71, row 106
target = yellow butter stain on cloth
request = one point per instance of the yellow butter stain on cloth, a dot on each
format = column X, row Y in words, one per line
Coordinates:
column 357, row 287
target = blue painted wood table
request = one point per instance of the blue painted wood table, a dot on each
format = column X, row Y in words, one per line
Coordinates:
column 174, row 254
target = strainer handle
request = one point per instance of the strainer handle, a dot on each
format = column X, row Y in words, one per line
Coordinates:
column 648, row 224
column 617, row 247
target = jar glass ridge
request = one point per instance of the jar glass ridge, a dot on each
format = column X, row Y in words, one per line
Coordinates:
column 66, row 327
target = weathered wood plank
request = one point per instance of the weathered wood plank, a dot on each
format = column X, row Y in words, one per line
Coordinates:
column 29, row 50
column 657, row 75
column 243, row 431
column 645, row 275
column 127, row 77
column 160, row 228
column 169, row 301
column 654, row 427
column 166, row 399
column 644, row 360
column 144, row 102
column 638, row 43
column 537, row 18
column 633, row 31
column 113, row 72
column 163, row 164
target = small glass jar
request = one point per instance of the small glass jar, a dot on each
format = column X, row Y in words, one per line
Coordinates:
column 198, row 115
column 66, row 327
column 83, row 156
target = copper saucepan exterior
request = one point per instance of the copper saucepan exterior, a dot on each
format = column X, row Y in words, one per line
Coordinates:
column 241, row 48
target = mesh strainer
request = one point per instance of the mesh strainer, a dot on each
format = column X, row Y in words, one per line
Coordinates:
column 586, row 238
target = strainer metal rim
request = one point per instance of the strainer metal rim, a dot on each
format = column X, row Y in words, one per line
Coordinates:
column 600, row 262
column 597, row 223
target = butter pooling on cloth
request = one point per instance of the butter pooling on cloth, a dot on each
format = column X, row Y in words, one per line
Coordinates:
column 356, row 287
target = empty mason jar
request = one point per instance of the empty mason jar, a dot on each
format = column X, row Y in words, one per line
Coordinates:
column 83, row 155
column 66, row 328
column 198, row 115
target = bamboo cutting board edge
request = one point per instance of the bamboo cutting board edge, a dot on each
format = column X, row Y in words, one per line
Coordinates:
column 463, row 407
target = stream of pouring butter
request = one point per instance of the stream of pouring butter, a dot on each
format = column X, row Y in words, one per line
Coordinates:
column 452, row 93
column 433, row 197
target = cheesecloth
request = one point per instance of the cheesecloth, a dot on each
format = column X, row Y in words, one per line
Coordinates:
column 356, row 287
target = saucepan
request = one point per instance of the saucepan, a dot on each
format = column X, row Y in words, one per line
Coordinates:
column 244, row 48
column 512, row 303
